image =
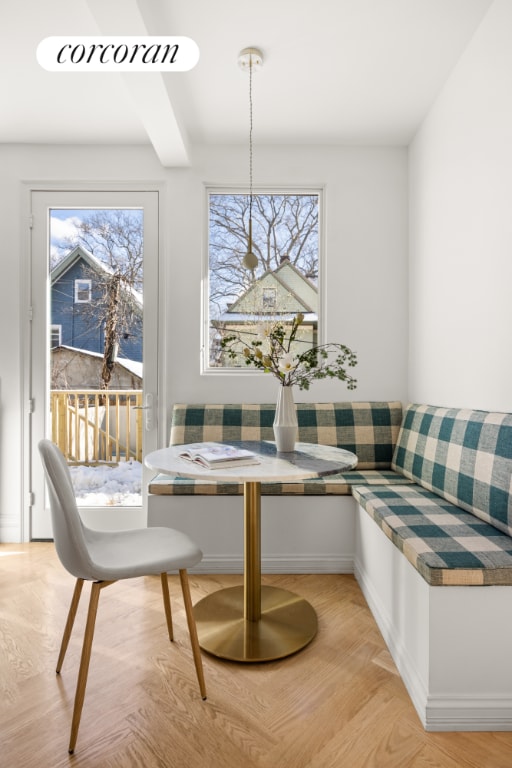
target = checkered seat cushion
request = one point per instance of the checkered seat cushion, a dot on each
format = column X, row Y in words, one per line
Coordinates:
column 447, row 546
column 333, row 485
column 368, row 429
column 462, row 455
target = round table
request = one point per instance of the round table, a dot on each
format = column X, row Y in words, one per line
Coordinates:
column 253, row 623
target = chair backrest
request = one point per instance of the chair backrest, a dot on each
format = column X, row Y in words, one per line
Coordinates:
column 68, row 529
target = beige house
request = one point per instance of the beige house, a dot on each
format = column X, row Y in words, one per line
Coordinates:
column 277, row 296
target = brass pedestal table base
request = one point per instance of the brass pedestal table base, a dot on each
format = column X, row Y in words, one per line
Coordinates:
column 254, row 622
column 287, row 623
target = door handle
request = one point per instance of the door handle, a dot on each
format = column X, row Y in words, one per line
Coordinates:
column 148, row 407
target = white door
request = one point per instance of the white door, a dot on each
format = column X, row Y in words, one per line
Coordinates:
column 46, row 207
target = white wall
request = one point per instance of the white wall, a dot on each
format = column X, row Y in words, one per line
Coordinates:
column 365, row 264
column 461, row 230
column 366, row 269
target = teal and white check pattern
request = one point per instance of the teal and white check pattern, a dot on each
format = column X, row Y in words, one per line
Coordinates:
column 464, row 456
column 333, row 485
column 439, row 485
column 368, row 429
column 447, row 546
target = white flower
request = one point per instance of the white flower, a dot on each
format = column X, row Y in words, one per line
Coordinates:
column 271, row 352
column 264, row 330
column 287, row 363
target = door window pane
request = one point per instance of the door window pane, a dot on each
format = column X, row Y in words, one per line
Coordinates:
column 96, row 282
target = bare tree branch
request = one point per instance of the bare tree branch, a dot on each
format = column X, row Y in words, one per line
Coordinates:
column 284, row 227
column 115, row 238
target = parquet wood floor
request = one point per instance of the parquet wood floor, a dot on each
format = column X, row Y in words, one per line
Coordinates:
column 339, row 703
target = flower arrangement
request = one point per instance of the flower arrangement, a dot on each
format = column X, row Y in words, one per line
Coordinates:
column 271, row 351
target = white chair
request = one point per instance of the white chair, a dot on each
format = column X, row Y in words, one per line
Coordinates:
column 105, row 557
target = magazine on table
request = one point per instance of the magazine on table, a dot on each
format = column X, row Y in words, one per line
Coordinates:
column 218, row 455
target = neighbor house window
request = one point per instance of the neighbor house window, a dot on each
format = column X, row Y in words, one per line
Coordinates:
column 56, row 336
column 285, row 238
column 269, row 298
column 82, row 291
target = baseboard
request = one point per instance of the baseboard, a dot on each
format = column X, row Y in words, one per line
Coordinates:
column 10, row 534
column 300, row 564
column 482, row 713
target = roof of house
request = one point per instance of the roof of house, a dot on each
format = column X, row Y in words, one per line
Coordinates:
column 133, row 366
column 294, row 293
column 79, row 253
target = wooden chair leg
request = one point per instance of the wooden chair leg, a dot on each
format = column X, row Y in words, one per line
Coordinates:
column 84, row 661
column 69, row 623
column 185, row 588
column 167, row 604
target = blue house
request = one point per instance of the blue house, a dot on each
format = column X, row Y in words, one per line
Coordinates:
column 79, row 307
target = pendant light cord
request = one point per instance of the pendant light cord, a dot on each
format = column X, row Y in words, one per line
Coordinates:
column 250, row 58
column 250, row 141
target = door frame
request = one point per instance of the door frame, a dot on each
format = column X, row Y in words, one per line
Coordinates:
column 30, row 432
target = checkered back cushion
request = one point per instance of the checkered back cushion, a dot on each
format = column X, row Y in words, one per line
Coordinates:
column 368, row 429
column 464, row 456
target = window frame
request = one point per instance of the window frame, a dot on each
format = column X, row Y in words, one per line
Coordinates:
column 266, row 300
column 55, row 330
column 83, row 281
column 233, row 189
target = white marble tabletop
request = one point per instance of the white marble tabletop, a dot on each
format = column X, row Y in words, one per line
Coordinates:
column 307, row 461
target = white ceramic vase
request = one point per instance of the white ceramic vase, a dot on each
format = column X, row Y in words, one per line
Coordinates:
column 285, row 421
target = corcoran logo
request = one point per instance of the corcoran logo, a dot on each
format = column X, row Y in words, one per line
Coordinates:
column 117, row 54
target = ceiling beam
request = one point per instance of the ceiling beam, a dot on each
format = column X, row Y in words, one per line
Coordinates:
column 147, row 89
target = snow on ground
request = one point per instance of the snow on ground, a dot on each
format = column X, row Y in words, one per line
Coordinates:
column 106, row 486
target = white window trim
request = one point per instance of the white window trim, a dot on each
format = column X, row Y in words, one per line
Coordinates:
column 83, row 281
column 233, row 189
column 56, row 329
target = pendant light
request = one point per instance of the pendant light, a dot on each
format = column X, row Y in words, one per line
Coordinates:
column 250, row 60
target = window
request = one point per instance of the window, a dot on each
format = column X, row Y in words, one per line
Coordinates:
column 285, row 238
column 56, row 336
column 82, row 291
column 269, row 298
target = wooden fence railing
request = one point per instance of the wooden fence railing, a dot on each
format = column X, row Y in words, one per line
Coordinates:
column 92, row 426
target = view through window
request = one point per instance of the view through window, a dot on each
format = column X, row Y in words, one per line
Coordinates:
column 285, row 238
column 96, row 283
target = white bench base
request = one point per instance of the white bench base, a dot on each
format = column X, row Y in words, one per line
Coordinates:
column 301, row 534
column 451, row 645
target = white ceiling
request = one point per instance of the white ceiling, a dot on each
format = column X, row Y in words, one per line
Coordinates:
column 335, row 71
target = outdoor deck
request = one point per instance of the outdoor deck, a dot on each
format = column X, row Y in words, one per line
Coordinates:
column 92, row 426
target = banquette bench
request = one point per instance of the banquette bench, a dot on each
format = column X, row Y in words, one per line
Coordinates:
column 434, row 561
column 369, row 429
column 426, row 521
column 299, row 534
